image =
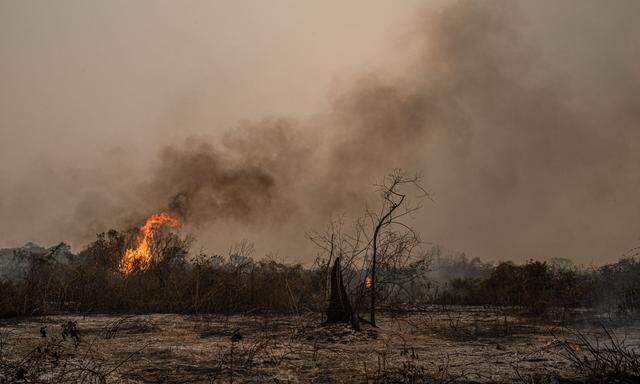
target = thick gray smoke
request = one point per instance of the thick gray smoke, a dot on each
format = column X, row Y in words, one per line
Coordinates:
column 523, row 118
column 248, row 179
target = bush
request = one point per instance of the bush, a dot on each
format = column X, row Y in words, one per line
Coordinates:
column 538, row 286
column 91, row 282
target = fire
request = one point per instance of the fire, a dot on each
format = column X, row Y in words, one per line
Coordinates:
column 141, row 256
column 368, row 282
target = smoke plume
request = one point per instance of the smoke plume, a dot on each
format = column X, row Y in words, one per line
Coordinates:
column 522, row 118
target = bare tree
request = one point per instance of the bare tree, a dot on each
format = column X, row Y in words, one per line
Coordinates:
column 395, row 245
column 380, row 240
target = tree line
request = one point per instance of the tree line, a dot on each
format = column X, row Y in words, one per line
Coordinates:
column 383, row 264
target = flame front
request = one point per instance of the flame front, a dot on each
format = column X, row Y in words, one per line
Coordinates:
column 141, row 256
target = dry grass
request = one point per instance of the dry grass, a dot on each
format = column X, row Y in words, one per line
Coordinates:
column 58, row 355
column 406, row 348
column 602, row 356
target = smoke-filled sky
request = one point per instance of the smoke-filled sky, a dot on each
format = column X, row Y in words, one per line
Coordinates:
column 261, row 120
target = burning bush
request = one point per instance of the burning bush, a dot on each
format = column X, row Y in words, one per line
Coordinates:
column 147, row 243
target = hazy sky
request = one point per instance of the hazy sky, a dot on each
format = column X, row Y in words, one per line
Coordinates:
column 90, row 74
column 85, row 83
column 523, row 117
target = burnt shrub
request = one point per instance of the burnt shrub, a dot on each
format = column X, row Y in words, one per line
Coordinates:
column 619, row 287
column 537, row 282
column 463, row 291
column 535, row 286
column 177, row 281
column 505, row 286
column 92, row 282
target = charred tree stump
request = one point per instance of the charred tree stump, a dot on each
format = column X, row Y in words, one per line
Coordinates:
column 339, row 309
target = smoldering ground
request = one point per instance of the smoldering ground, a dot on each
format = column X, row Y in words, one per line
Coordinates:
column 522, row 117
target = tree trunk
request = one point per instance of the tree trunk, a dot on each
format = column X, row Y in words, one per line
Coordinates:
column 374, row 269
column 339, row 309
column 374, row 258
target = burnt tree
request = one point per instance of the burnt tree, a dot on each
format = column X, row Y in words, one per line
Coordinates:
column 392, row 209
column 339, row 309
column 380, row 251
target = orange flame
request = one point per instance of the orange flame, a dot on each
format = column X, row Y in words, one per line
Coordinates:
column 141, row 256
column 368, row 282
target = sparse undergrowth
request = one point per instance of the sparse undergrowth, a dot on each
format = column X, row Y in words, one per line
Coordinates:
column 404, row 348
column 602, row 357
column 59, row 356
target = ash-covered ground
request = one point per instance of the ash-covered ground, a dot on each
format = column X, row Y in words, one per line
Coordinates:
column 456, row 344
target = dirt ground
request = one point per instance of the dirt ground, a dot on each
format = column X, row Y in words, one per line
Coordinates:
column 461, row 344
